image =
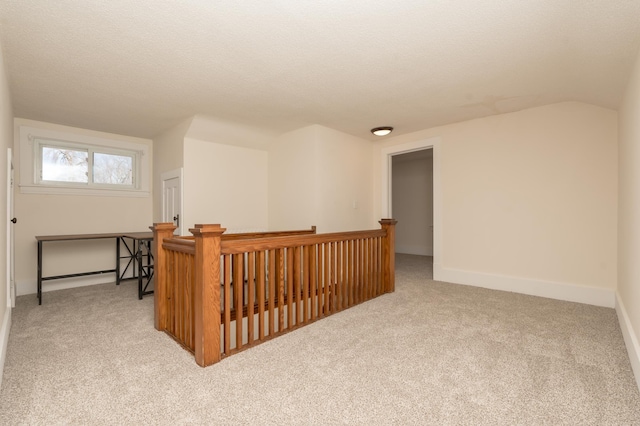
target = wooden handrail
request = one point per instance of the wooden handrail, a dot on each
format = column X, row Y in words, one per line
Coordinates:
column 257, row 244
column 180, row 245
column 243, row 244
column 268, row 234
column 248, row 235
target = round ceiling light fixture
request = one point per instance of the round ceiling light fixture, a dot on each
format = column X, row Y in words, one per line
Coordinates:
column 382, row 131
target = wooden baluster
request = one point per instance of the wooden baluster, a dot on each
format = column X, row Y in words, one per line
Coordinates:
column 365, row 269
column 170, row 284
column 361, row 282
column 336, row 286
column 327, row 262
column 272, row 291
column 365, row 266
column 251, row 301
column 345, row 274
column 314, row 291
column 160, row 232
column 330, row 258
column 340, row 262
column 207, row 293
column 380, row 267
column 354, row 271
column 305, row 284
column 372, row 266
column 261, row 295
column 318, row 271
column 340, row 274
column 290, row 293
column 378, row 270
column 372, row 273
column 238, row 292
column 172, row 295
column 281, row 283
column 227, row 304
column 178, row 299
column 297, row 274
column 192, row 282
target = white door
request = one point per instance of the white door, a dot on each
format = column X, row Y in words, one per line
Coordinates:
column 11, row 220
column 172, row 198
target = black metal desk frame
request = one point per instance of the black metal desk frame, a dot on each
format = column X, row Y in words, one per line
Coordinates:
column 140, row 250
column 141, row 255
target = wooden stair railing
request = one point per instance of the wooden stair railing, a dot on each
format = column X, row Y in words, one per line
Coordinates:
column 288, row 279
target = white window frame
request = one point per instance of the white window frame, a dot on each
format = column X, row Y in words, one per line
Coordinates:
column 31, row 142
column 90, row 150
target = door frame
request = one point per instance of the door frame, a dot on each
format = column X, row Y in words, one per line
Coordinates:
column 172, row 174
column 386, row 194
column 11, row 290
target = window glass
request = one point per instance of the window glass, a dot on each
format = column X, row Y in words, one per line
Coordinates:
column 112, row 169
column 65, row 165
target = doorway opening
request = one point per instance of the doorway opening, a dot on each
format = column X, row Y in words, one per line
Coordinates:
column 419, row 209
column 412, row 203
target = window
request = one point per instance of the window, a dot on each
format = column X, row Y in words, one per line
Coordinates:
column 72, row 164
column 76, row 164
column 63, row 165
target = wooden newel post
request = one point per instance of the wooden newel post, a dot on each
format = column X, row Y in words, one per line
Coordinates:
column 207, row 293
column 161, row 231
column 389, row 254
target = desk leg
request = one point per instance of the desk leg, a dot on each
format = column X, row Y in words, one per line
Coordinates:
column 139, row 258
column 39, row 272
column 117, row 260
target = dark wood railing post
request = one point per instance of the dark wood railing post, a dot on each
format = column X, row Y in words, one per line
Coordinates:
column 207, row 293
column 160, row 232
column 389, row 255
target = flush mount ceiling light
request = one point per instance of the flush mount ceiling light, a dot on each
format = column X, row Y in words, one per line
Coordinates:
column 382, row 131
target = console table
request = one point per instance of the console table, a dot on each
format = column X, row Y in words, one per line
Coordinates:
column 139, row 253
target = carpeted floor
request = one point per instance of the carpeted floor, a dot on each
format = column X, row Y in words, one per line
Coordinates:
column 430, row 353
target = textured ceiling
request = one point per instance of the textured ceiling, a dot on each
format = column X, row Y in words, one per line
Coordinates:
column 140, row 67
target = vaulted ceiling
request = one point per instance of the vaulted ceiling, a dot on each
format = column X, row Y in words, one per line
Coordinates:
column 140, row 67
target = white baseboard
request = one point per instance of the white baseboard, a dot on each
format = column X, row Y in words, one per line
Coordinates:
column 630, row 339
column 4, row 340
column 417, row 250
column 553, row 290
column 31, row 286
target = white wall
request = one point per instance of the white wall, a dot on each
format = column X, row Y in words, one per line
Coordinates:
column 225, row 184
column 6, row 141
column 168, row 155
column 320, row 176
column 528, row 201
column 628, row 302
column 412, row 206
column 218, row 130
column 292, row 180
column 343, row 179
column 43, row 214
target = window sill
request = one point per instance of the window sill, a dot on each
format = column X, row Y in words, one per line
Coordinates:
column 95, row 192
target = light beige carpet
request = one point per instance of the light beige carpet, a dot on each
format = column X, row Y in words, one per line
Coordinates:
column 431, row 353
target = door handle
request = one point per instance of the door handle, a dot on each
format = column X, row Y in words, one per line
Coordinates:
column 176, row 219
column 14, row 220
